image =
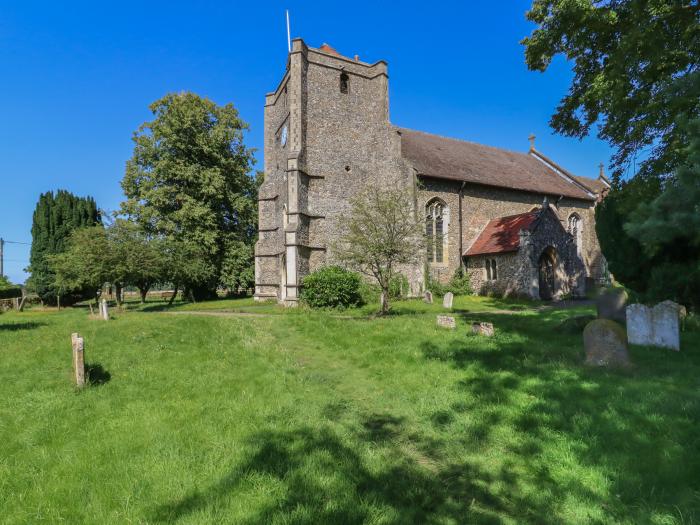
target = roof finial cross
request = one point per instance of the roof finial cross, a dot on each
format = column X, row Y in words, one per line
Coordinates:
column 602, row 172
column 531, row 138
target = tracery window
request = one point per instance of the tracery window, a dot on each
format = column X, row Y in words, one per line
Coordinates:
column 436, row 214
column 575, row 229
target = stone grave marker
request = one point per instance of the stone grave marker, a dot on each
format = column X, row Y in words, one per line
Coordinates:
column 657, row 326
column 104, row 310
column 447, row 300
column 428, row 298
column 446, row 321
column 605, row 343
column 611, row 305
column 483, row 329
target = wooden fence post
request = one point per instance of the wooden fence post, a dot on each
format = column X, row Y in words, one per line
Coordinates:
column 78, row 359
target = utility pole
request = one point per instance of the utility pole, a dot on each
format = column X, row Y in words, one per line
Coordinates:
column 2, row 260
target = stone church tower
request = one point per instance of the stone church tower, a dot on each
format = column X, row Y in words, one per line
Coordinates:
column 327, row 136
column 487, row 212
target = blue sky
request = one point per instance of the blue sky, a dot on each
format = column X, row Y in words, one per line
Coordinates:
column 78, row 78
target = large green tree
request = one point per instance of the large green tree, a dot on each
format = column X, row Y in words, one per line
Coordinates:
column 669, row 230
column 189, row 184
column 636, row 66
column 56, row 216
column 636, row 69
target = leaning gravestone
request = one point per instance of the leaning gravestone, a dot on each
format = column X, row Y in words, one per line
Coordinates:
column 446, row 321
column 482, row 329
column 611, row 305
column 657, row 326
column 447, row 300
column 605, row 343
column 428, row 297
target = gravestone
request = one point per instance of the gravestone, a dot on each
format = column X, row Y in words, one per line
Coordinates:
column 104, row 310
column 446, row 321
column 657, row 326
column 483, row 329
column 605, row 343
column 666, row 316
column 447, row 300
column 428, row 297
column 640, row 325
column 611, row 305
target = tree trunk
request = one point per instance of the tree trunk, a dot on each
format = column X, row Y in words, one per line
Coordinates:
column 384, row 302
column 172, row 298
column 58, row 301
column 118, row 290
column 143, row 291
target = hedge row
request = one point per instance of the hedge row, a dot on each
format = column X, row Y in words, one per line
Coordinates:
column 10, row 292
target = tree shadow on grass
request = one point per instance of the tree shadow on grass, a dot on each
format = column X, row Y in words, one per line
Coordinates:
column 15, row 327
column 96, row 375
column 326, row 480
column 637, row 428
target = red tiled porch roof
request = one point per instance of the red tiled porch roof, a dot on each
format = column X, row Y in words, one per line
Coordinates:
column 502, row 234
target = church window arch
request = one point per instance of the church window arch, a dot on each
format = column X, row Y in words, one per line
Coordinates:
column 344, row 83
column 436, row 225
column 575, row 229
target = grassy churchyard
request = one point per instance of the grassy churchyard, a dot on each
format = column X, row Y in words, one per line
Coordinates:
column 256, row 414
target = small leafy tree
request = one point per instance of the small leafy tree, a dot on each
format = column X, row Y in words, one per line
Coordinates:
column 138, row 258
column 381, row 233
column 85, row 265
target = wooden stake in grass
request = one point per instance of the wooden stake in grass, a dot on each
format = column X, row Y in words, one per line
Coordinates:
column 78, row 359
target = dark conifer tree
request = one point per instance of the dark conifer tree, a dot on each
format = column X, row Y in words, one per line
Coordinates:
column 55, row 217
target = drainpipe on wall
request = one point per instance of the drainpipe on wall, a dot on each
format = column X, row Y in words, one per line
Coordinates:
column 461, row 252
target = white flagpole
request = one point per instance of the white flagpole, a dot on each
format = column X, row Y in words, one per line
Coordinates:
column 289, row 40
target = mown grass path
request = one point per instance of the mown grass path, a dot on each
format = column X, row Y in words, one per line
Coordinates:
column 304, row 417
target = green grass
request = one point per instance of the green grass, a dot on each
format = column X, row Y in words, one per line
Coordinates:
column 307, row 417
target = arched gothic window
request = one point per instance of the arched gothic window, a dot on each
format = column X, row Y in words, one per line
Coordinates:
column 436, row 219
column 575, row 227
column 344, row 82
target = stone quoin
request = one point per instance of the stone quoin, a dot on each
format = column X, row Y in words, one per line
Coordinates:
column 517, row 223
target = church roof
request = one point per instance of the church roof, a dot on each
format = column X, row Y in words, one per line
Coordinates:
column 595, row 185
column 446, row 158
column 502, row 234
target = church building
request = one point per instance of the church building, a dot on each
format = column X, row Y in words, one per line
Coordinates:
column 518, row 223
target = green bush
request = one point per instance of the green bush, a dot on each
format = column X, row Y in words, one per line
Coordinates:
column 398, row 286
column 332, row 286
column 434, row 285
column 459, row 284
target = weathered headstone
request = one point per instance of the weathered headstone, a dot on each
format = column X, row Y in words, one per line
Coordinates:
column 104, row 310
column 666, row 317
column 611, row 305
column 640, row 325
column 605, row 343
column 428, row 297
column 657, row 326
column 446, row 321
column 483, row 329
column 447, row 300
column 78, row 345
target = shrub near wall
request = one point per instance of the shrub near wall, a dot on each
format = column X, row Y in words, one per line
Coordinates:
column 331, row 286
